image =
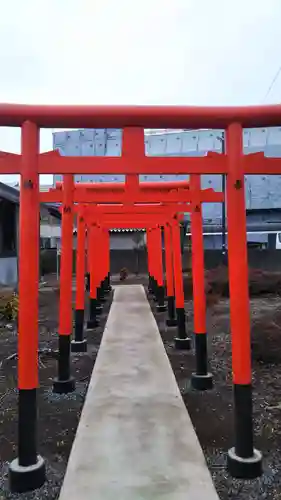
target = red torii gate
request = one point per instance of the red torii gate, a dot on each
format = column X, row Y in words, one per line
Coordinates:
column 121, row 186
column 243, row 459
column 85, row 189
column 64, row 382
column 112, row 216
column 129, row 220
column 80, row 268
column 83, row 194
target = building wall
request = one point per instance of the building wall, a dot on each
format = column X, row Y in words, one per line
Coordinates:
column 8, row 271
column 261, row 191
column 9, row 216
column 126, row 241
column 268, row 260
column 50, row 230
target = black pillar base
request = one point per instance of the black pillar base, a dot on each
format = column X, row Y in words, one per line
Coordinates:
column 155, row 290
column 26, row 478
column 202, row 382
column 149, row 284
column 94, row 310
column 243, row 461
column 27, row 472
column 79, row 325
column 108, row 283
column 181, row 331
column 182, row 344
column 99, row 310
column 161, row 308
column 92, row 323
column 63, row 386
column 243, row 420
column 153, row 286
column 100, row 296
column 171, row 322
column 103, row 287
column 244, row 468
column 79, row 345
column 64, row 383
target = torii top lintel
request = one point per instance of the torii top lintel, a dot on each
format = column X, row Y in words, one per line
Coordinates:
column 76, row 116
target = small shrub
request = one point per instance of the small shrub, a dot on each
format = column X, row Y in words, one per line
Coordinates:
column 9, row 305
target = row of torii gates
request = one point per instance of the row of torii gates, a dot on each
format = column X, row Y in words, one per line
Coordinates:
column 132, row 204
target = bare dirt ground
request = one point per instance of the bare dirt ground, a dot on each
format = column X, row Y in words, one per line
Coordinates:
column 58, row 414
column 211, row 412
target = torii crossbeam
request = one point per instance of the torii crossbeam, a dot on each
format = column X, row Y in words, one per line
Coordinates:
column 243, row 459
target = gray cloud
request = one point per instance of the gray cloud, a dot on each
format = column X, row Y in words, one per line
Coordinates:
column 144, row 52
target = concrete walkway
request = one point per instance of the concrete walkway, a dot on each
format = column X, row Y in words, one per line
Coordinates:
column 135, row 440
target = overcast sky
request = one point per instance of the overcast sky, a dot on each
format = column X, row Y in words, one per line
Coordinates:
column 192, row 52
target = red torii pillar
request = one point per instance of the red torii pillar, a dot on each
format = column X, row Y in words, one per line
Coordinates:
column 104, row 286
column 65, row 383
column 201, row 379
column 243, row 459
column 103, row 260
column 158, row 265
column 95, row 307
column 27, row 472
column 171, row 321
column 79, row 344
column 181, row 341
column 107, row 286
column 153, row 251
column 151, row 279
column 87, row 274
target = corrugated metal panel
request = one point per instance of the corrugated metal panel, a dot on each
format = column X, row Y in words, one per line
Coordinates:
column 113, row 147
column 72, row 145
column 87, row 134
column 274, row 135
column 189, row 142
column 100, row 142
column 246, row 138
column 260, row 192
column 158, row 145
column 87, row 148
column 174, row 143
column 206, row 141
column 59, row 138
column 258, row 138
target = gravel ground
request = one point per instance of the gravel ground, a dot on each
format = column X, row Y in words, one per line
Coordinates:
column 211, row 412
column 58, row 414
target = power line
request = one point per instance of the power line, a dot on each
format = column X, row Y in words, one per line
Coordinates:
column 272, row 83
